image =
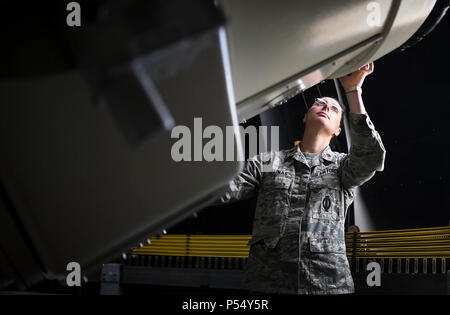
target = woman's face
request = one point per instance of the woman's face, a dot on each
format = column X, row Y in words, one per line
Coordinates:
column 325, row 113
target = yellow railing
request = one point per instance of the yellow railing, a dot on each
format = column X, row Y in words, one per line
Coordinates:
column 197, row 245
column 405, row 243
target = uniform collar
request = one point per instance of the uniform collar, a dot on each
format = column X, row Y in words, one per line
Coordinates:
column 327, row 154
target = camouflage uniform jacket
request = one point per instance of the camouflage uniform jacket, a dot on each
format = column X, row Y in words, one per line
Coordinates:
column 298, row 243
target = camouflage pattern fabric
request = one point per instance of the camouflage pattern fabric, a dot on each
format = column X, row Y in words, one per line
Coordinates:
column 298, row 243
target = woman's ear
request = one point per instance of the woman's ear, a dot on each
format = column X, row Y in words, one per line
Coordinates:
column 338, row 132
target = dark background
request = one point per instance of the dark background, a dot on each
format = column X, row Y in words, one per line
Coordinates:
column 407, row 97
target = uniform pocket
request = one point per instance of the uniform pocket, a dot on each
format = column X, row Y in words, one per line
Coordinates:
column 325, row 200
column 329, row 268
column 275, row 181
column 326, row 245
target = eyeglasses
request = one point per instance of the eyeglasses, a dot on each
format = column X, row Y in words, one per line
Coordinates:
column 322, row 103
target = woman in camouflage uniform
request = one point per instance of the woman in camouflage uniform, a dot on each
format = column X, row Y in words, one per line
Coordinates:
column 298, row 244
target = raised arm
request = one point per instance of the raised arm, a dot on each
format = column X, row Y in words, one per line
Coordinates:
column 367, row 152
